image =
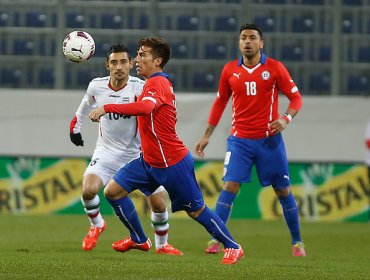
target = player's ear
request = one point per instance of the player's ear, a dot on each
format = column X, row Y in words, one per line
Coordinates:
column 262, row 43
column 131, row 63
column 158, row 61
column 107, row 65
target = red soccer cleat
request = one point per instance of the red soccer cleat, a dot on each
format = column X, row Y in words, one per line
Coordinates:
column 91, row 238
column 213, row 247
column 168, row 249
column 232, row 255
column 128, row 244
column 298, row 250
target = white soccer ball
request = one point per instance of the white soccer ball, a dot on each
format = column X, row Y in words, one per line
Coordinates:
column 78, row 46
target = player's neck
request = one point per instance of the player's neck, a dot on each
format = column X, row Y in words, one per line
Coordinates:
column 117, row 84
column 252, row 61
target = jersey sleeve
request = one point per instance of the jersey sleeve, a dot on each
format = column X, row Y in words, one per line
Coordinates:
column 87, row 104
column 222, row 98
column 289, row 88
column 152, row 91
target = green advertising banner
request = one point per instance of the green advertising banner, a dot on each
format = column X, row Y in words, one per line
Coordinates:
column 324, row 191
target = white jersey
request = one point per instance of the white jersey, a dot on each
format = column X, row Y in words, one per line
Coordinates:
column 118, row 134
column 367, row 138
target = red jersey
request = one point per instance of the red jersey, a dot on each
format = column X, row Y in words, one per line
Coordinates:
column 254, row 93
column 159, row 141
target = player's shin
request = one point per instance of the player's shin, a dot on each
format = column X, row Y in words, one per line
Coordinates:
column 291, row 216
column 214, row 225
column 92, row 209
column 126, row 212
column 160, row 226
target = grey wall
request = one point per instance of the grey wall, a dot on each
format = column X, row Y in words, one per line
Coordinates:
column 36, row 122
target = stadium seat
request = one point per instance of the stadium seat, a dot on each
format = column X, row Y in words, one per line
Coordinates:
column 180, row 50
column 187, row 23
column 292, row 53
column 46, row 77
column 364, row 54
column 347, row 25
column 75, row 20
column 226, row 23
column 36, row 19
column 215, row 51
column 144, row 22
column 11, row 77
column 266, row 23
column 302, row 24
column 4, row 19
column 320, row 82
column 204, row 81
column 275, row 1
column 313, row 2
column 101, row 48
column 325, row 54
column 358, row 83
column 352, row 2
column 112, row 21
column 3, row 47
column 84, row 77
column 23, row 47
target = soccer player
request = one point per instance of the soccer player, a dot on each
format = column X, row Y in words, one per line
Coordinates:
column 253, row 82
column 118, row 143
column 164, row 160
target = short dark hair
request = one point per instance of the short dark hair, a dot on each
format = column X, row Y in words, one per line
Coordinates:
column 160, row 48
column 117, row 48
column 252, row 26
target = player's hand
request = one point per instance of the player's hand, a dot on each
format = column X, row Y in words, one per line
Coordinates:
column 96, row 114
column 278, row 125
column 200, row 146
column 76, row 139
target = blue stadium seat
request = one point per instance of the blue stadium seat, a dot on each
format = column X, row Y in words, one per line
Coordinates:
column 4, row 19
column 325, row 54
column 3, row 47
column 144, row 22
column 101, row 48
column 187, row 23
column 275, row 1
column 112, row 21
column 84, row 77
column 303, row 24
column 364, row 54
column 23, row 47
column 358, row 83
column 204, row 81
column 320, row 82
column 180, row 50
column 226, row 23
column 266, row 23
column 352, row 2
column 11, row 76
column 313, row 2
column 75, row 20
column 215, row 51
column 347, row 25
column 46, row 77
column 292, row 53
column 35, row 19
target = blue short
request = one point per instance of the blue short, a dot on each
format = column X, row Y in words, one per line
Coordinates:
column 179, row 181
column 268, row 154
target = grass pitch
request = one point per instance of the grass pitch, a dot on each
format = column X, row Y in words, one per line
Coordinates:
column 49, row 247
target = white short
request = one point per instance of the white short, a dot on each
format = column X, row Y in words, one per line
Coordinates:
column 105, row 166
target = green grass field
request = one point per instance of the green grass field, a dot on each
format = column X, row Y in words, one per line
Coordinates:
column 49, row 247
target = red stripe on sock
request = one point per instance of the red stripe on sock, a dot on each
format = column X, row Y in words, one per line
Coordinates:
column 93, row 215
column 161, row 232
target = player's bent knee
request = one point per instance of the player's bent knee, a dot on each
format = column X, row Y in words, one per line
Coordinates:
column 232, row 187
column 195, row 214
column 114, row 191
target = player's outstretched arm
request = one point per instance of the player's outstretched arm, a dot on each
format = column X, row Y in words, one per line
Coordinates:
column 203, row 142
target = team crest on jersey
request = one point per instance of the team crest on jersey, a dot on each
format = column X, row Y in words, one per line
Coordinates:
column 265, row 75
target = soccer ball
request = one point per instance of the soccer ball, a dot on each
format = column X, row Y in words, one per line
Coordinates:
column 78, row 46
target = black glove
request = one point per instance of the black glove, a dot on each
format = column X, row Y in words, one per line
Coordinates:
column 76, row 139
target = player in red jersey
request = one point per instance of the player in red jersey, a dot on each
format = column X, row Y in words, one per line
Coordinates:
column 253, row 82
column 164, row 160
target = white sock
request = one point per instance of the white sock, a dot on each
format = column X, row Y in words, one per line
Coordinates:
column 92, row 209
column 160, row 226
